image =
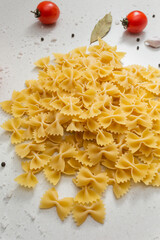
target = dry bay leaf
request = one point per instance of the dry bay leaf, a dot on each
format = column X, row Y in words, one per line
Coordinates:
column 101, row 28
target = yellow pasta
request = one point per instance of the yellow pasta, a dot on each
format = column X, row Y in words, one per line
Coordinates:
column 138, row 170
column 147, row 138
column 95, row 210
column 66, row 151
column 38, row 160
column 51, row 175
column 25, row 149
column 86, row 178
column 7, row 106
column 50, row 199
column 13, row 125
column 89, row 117
column 43, row 62
column 27, row 179
column 86, row 195
column 119, row 188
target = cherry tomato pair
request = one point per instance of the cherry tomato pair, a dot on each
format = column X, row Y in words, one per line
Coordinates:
column 47, row 12
column 135, row 22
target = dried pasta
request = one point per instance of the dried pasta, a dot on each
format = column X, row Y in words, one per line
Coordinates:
column 89, row 117
column 50, row 199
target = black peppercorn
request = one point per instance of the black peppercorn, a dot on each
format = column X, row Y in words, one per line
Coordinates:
column 3, row 164
column 72, row 35
column 42, row 39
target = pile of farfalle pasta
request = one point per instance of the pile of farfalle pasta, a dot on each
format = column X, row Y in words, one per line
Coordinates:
column 89, row 117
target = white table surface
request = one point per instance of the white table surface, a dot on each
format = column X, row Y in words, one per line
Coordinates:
column 136, row 215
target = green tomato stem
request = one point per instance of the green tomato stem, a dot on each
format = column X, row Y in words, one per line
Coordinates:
column 124, row 23
column 37, row 13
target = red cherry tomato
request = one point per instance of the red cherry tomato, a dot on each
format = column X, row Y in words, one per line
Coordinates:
column 47, row 12
column 135, row 22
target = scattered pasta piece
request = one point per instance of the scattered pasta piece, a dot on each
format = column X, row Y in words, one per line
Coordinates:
column 13, row 125
column 27, row 179
column 96, row 210
column 50, row 199
column 89, row 117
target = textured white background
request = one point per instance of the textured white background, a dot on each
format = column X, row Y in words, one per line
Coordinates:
column 136, row 215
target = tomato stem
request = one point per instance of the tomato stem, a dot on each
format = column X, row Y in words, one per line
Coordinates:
column 36, row 13
column 124, row 23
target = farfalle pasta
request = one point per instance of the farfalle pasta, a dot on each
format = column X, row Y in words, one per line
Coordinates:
column 85, row 177
column 138, row 170
column 13, row 125
column 50, row 199
column 89, row 117
column 27, row 179
column 95, row 210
